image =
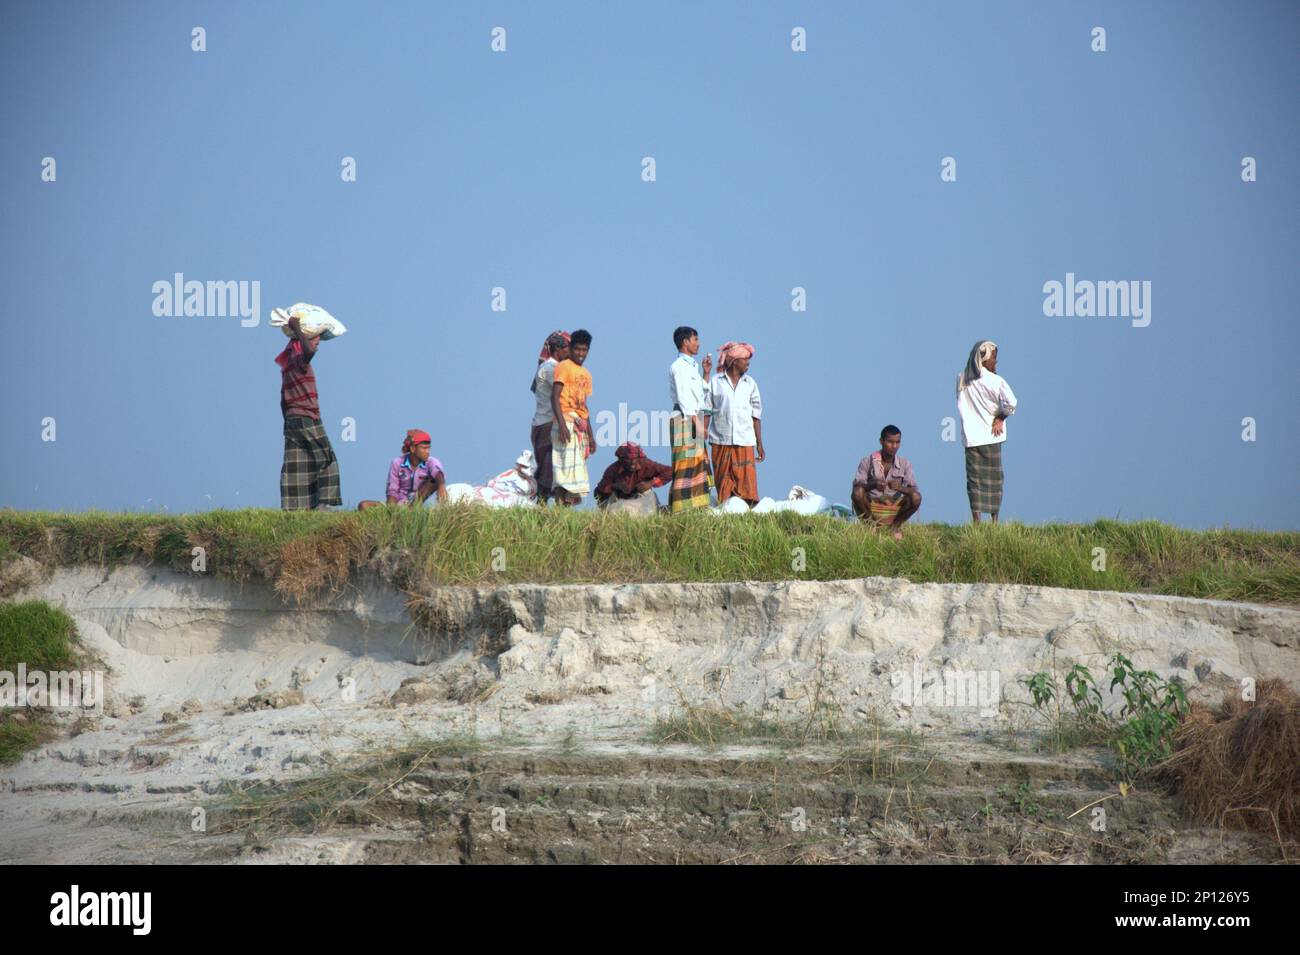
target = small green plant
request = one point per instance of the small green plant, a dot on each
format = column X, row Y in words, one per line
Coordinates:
column 1152, row 709
column 1082, row 687
column 1142, row 734
column 1066, row 730
column 1041, row 688
column 1025, row 802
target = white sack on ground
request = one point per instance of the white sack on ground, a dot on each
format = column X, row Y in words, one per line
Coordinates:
column 516, row 487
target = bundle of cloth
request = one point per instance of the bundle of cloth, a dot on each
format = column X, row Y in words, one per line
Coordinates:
column 800, row 500
column 312, row 319
column 515, row 487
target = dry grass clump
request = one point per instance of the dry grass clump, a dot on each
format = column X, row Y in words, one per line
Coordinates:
column 327, row 558
column 1238, row 766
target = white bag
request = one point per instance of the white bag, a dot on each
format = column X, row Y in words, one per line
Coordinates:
column 801, row 501
column 312, row 319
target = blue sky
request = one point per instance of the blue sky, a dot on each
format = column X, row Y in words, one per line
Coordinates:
column 775, row 169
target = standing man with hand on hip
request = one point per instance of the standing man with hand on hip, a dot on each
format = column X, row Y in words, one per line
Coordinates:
column 736, row 425
column 984, row 401
column 309, row 477
column 690, row 487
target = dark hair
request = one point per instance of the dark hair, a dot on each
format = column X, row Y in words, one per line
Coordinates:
column 888, row 430
column 681, row 333
column 580, row 337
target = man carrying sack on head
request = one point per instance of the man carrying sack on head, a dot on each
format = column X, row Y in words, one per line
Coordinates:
column 309, row 477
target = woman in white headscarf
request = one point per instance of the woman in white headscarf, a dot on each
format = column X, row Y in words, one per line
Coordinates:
column 984, row 402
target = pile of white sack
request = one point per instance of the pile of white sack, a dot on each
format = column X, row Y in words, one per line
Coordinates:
column 516, row 487
column 800, row 500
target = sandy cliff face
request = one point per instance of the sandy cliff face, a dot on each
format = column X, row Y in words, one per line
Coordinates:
column 211, row 682
column 876, row 642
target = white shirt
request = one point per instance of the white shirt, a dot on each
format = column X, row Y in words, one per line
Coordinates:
column 545, row 384
column 734, row 410
column 685, row 385
column 979, row 403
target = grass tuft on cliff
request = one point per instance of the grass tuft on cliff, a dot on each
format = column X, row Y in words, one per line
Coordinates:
column 305, row 552
column 42, row 638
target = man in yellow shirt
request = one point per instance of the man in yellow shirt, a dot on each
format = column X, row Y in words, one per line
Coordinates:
column 571, row 440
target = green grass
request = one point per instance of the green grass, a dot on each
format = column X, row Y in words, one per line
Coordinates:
column 17, row 737
column 458, row 545
column 43, row 638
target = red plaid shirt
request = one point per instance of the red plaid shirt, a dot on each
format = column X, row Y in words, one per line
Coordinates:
column 297, row 380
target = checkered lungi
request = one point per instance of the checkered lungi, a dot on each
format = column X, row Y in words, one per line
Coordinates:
column 690, row 487
column 310, row 474
column 984, row 478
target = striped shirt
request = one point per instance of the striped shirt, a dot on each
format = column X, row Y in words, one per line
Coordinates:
column 297, row 380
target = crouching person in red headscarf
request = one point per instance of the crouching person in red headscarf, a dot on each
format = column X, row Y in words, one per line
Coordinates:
column 414, row 475
column 628, row 484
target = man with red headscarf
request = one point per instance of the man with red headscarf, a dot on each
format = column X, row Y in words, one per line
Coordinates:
column 414, row 476
column 554, row 350
column 735, row 426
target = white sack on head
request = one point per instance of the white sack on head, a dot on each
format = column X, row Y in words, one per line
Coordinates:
column 312, row 319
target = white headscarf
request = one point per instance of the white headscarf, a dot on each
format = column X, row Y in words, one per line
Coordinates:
column 975, row 364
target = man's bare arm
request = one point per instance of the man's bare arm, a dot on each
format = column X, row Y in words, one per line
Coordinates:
column 559, row 415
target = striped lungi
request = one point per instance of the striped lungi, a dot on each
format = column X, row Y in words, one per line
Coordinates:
column 984, row 478
column 569, row 460
column 734, row 473
column 885, row 510
column 690, row 487
column 310, row 474
column 542, row 455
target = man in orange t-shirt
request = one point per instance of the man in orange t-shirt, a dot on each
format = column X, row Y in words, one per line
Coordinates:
column 571, row 442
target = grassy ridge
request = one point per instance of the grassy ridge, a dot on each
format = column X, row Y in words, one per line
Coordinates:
column 467, row 544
